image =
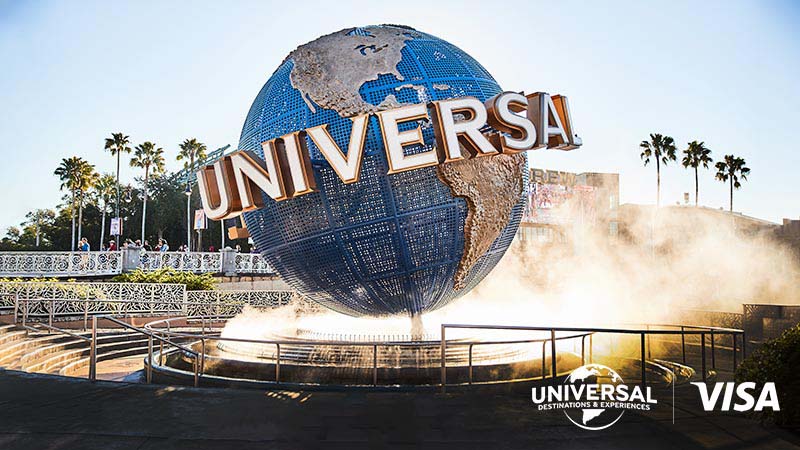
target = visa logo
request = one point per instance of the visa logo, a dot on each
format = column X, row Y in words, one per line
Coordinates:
column 745, row 398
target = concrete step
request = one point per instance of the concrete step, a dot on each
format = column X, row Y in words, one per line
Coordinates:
column 21, row 348
column 11, row 336
column 11, row 360
column 38, row 359
column 42, row 352
column 80, row 366
column 59, row 359
column 10, row 352
column 7, row 328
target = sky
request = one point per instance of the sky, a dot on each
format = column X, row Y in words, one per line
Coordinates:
column 723, row 72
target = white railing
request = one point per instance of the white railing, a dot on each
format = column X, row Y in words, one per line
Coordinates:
column 198, row 262
column 74, row 299
column 94, row 291
column 252, row 263
column 77, row 264
column 54, row 264
column 232, row 302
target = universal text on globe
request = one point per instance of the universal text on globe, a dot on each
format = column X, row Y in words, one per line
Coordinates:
column 227, row 187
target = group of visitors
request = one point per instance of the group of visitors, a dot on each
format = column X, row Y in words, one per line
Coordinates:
column 83, row 245
column 163, row 246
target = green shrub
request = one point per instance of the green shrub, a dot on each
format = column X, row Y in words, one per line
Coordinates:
column 778, row 360
column 68, row 288
column 193, row 281
column 29, row 280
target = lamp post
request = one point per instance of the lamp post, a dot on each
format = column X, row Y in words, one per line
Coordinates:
column 119, row 224
column 123, row 221
column 188, row 193
column 222, row 229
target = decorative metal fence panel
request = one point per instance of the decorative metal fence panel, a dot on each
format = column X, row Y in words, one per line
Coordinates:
column 229, row 303
column 78, row 264
column 252, row 263
column 94, row 291
column 6, row 302
column 54, row 264
column 66, row 299
column 722, row 319
column 198, row 262
column 763, row 322
column 42, row 308
column 73, row 299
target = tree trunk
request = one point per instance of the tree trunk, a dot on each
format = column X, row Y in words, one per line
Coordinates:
column 731, row 194
column 696, row 187
column 72, row 216
column 189, row 205
column 658, row 183
column 117, row 237
column 80, row 216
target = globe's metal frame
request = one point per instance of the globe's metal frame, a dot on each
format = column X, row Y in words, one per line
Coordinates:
column 388, row 244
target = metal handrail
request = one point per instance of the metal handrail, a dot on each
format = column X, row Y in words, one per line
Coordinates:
column 597, row 329
column 155, row 331
column 151, row 325
column 58, row 330
column 150, row 336
column 374, row 344
column 702, row 330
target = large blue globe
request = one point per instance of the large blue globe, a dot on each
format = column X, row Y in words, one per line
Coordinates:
column 388, row 244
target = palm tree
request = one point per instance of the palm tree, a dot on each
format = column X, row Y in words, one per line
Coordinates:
column 662, row 149
column 191, row 150
column 147, row 157
column 88, row 177
column 104, row 191
column 73, row 173
column 696, row 154
column 117, row 144
column 730, row 169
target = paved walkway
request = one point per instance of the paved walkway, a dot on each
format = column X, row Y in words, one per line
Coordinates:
column 48, row 412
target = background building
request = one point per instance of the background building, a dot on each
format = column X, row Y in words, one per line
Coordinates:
column 789, row 233
column 562, row 206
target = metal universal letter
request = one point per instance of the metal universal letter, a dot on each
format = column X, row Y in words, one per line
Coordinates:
column 348, row 168
column 231, row 185
column 394, row 140
column 520, row 133
column 449, row 133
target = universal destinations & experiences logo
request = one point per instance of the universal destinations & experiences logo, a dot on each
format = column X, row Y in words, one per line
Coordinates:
column 593, row 397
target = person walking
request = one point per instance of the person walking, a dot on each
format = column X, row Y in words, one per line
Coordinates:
column 112, row 246
column 84, row 245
